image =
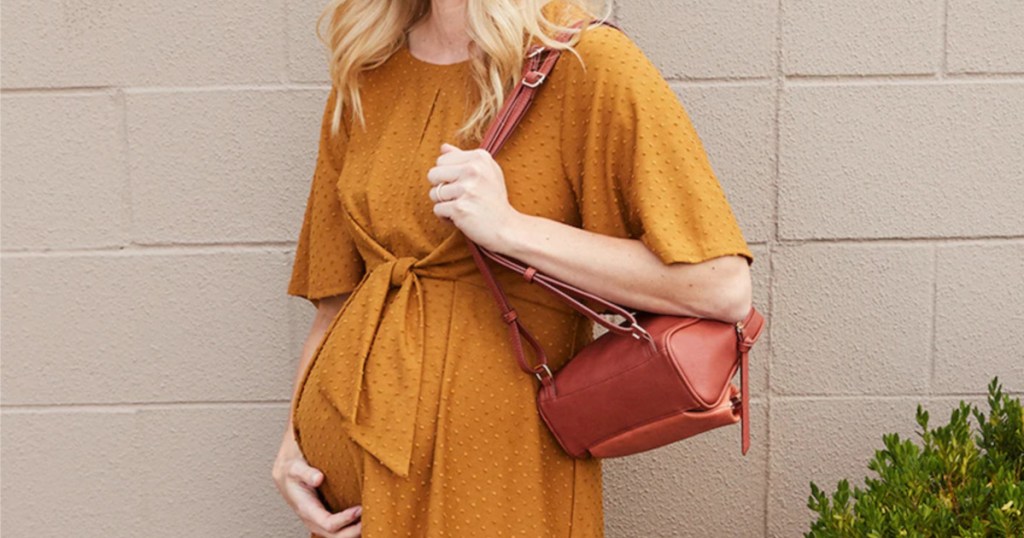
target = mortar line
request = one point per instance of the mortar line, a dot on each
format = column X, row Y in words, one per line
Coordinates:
column 794, row 79
column 724, row 79
column 174, row 89
column 934, row 320
column 171, row 405
column 903, row 80
column 285, row 76
column 887, row 397
column 128, row 208
column 944, row 39
column 145, row 249
column 128, row 407
column 154, row 250
column 884, row 241
column 780, row 80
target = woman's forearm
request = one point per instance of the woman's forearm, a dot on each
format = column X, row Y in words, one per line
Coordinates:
column 625, row 272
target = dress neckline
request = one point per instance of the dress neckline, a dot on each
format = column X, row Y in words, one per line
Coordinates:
column 405, row 51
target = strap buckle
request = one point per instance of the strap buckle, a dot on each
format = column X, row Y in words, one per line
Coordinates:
column 641, row 334
column 543, row 368
column 533, row 84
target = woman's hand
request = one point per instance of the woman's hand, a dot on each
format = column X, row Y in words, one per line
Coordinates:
column 297, row 481
column 472, row 194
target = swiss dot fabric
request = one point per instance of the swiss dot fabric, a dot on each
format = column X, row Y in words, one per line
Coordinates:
column 326, row 260
column 413, row 405
column 640, row 168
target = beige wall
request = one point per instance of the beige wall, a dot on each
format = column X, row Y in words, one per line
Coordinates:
column 156, row 157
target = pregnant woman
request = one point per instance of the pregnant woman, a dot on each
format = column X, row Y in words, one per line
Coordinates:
column 410, row 417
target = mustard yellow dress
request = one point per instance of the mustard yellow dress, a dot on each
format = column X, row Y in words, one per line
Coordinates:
column 413, row 404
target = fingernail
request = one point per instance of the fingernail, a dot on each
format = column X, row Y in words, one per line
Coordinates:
column 359, row 511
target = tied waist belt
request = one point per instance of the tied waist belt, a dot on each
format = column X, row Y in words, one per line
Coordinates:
column 380, row 409
column 372, row 357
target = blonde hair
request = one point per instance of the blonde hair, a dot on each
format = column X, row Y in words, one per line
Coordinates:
column 363, row 34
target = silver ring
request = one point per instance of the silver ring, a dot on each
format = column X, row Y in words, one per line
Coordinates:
column 439, row 197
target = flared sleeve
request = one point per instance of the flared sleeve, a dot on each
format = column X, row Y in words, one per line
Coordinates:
column 636, row 164
column 326, row 260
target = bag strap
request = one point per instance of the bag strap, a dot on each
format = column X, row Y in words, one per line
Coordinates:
column 535, row 70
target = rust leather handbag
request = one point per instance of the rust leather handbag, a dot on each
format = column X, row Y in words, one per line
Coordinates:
column 650, row 380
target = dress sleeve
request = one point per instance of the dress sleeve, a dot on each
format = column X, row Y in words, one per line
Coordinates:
column 326, row 259
column 637, row 166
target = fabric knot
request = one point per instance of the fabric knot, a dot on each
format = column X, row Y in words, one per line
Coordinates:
column 400, row 269
column 382, row 327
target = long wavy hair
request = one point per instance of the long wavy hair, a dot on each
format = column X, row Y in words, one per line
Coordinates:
column 362, row 34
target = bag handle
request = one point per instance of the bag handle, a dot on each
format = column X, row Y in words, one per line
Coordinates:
column 563, row 290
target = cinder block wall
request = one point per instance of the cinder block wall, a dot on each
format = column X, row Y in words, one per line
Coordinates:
column 156, row 157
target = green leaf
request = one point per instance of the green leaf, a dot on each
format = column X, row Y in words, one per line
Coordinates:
column 960, row 480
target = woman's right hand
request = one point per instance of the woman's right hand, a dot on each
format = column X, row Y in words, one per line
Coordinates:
column 297, row 481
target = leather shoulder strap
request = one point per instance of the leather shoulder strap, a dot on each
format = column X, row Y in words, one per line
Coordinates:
column 535, row 70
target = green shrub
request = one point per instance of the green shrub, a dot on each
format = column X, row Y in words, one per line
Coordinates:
column 957, row 484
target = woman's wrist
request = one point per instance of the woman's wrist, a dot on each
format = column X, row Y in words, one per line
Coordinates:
column 513, row 236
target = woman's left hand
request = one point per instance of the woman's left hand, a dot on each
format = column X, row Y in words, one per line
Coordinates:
column 472, row 194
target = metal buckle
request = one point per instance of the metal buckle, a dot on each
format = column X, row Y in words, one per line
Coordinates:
column 546, row 370
column 644, row 335
column 642, row 331
column 529, row 84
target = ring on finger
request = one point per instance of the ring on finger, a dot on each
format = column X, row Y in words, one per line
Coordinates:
column 441, row 198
